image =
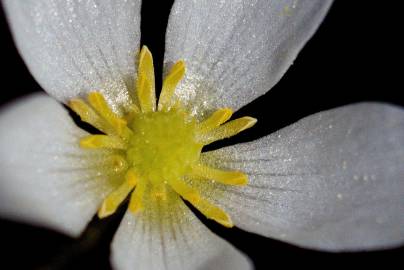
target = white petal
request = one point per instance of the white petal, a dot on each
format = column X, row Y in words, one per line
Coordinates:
column 167, row 236
column 237, row 50
column 332, row 181
column 73, row 47
column 46, row 179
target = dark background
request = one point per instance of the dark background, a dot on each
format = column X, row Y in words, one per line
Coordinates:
column 353, row 57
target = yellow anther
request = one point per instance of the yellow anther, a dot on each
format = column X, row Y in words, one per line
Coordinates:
column 98, row 102
column 115, row 198
column 136, row 199
column 216, row 119
column 224, row 177
column 227, row 130
column 88, row 115
column 102, row 141
column 170, row 83
column 145, row 81
column 213, row 212
column 206, row 208
column 187, row 192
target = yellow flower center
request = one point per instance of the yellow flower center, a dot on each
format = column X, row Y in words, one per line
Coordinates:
column 163, row 145
column 157, row 146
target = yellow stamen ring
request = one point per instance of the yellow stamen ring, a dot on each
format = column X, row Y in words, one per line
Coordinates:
column 156, row 148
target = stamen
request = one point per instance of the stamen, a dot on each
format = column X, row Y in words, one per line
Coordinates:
column 211, row 211
column 136, row 200
column 170, row 83
column 88, row 115
column 156, row 150
column 216, row 119
column 145, row 81
column 224, row 177
column 98, row 102
column 187, row 192
column 115, row 198
column 227, row 130
column 206, row 208
column 102, row 141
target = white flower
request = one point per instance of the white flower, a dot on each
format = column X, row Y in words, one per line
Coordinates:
column 332, row 181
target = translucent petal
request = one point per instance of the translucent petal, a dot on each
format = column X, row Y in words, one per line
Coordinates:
column 166, row 235
column 73, row 47
column 332, row 181
column 46, row 179
column 236, row 50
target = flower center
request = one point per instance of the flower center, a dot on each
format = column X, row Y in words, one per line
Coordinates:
column 156, row 147
column 163, row 145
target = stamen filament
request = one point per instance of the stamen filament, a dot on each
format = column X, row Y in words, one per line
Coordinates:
column 136, row 199
column 102, row 141
column 188, row 193
column 205, row 207
column 170, row 83
column 145, row 81
column 228, row 130
column 115, row 198
column 88, row 115
column 216, row 119
column 98, row 102
column 211, row 211
column 224, row 177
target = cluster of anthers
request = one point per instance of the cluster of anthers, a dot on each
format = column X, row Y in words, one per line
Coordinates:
column 157, row 146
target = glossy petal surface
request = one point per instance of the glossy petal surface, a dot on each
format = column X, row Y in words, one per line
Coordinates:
column 73, row 47
column 46, row 179
column 237, row 50
column 332, row 181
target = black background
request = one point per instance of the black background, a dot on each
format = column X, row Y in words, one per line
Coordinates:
column 353, row 57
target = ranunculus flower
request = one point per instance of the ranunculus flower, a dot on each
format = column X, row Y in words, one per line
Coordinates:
column 333, row 181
